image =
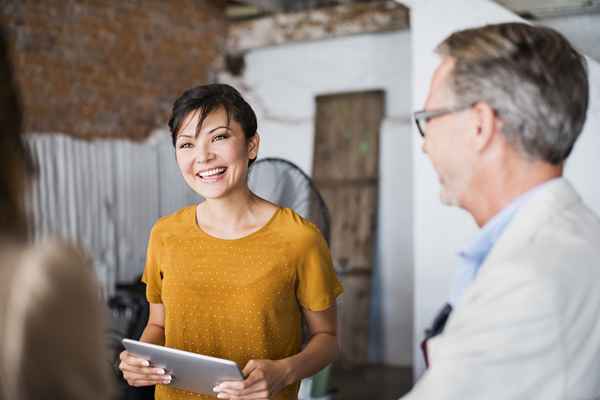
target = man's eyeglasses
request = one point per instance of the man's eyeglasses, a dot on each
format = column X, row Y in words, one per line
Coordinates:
column 422, row 117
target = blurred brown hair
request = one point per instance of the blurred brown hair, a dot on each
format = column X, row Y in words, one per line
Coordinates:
column 51, row 320
column 15, row 165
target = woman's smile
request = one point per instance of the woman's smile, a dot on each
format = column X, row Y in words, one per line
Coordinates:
column 212, row 175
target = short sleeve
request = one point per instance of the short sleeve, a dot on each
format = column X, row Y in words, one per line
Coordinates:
column 152, row 273
column 317, row 287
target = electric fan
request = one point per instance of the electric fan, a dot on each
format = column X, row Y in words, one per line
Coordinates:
column 284, row 183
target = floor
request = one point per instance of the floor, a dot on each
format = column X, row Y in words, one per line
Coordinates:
column 375, row 382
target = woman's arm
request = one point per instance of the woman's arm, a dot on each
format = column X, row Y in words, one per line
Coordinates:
column 321, row 349
column 267, row 377
column 155, row 328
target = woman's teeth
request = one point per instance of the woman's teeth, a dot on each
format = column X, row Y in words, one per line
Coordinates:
column 212, row 172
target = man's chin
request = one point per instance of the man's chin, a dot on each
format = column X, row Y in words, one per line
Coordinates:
column 449, row 199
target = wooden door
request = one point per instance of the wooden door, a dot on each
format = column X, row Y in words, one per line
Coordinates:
column 345, row 169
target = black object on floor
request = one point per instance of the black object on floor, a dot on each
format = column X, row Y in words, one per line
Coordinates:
column 371, row 382
column 128, row 315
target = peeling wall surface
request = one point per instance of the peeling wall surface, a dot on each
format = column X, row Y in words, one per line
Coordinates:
column 105, row 195
column 281, row 83
column 440, row 231
column 326, row 23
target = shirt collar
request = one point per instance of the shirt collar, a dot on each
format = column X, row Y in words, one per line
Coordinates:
column 482, row 243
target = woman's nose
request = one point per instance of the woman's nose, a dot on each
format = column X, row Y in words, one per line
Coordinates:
column 203, row 153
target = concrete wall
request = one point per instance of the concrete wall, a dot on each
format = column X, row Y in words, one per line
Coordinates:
column 282, row 82
column 439, row 231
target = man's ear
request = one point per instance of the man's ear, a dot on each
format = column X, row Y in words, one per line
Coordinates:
column 486, row 125
column 253, row 145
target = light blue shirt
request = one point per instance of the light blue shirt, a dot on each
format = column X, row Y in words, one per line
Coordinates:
column 473, row 256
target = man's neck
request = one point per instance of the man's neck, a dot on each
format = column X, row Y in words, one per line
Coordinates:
column 499, row 188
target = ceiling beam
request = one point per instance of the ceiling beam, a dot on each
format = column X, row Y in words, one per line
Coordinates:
column 265, row 5
column 317, row 24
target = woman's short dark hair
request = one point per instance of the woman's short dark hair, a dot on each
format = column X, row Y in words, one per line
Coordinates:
column 209, row 98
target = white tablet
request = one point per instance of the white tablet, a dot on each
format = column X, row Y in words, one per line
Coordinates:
column 190, row 371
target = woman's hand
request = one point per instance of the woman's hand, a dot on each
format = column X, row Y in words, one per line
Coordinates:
column 264, row 378
column 138, row 372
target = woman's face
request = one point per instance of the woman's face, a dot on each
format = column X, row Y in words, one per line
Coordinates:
column 214, row 159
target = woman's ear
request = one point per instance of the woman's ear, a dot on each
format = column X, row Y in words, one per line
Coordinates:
column 253, row 145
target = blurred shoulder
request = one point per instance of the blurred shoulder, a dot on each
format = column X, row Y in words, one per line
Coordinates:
column 50, row 260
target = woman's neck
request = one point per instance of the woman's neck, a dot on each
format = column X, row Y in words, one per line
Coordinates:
column 236, row 210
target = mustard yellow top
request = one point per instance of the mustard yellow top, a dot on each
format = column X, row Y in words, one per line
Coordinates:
column 237, row 299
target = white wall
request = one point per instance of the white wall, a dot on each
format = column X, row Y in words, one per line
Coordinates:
column 440, row 231
column 282, row 82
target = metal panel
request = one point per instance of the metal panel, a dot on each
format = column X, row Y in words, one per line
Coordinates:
column 104, row 195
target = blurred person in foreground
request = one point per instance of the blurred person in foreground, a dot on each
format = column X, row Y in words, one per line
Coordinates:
column 504, row 109
column 51, row 325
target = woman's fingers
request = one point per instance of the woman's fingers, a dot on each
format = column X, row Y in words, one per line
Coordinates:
column 141, row 370
column 254, row 385
column 134, row 379
column 254, row 396
column 145, row 382
column 138, row 372
column 146, row 374
column 133, row 360
column 239, row 390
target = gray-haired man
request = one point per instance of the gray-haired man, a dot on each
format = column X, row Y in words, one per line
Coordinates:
column 504, row 109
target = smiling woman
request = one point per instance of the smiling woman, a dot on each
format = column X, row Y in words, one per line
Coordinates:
column 214, row 155
column 234, row 276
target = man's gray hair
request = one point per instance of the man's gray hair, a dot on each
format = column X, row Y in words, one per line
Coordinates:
column 531, row 76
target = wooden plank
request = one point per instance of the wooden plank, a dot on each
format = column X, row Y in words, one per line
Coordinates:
column 353, row 215
column 356, row 182
column 348, row 148
column 353, row 324
column 346, row 173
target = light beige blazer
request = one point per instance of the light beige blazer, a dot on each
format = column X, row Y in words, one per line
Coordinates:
column 529, row 326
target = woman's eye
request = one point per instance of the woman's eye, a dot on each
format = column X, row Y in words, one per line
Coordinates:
column 219, row 137
column 185, row 146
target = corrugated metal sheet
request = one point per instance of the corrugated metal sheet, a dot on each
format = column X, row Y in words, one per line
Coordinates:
column 105, row 195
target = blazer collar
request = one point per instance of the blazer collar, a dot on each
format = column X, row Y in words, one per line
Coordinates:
column 543, row 205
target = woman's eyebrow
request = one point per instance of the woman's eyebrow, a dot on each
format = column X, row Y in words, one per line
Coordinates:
column 208, row 133
column 219, row 127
